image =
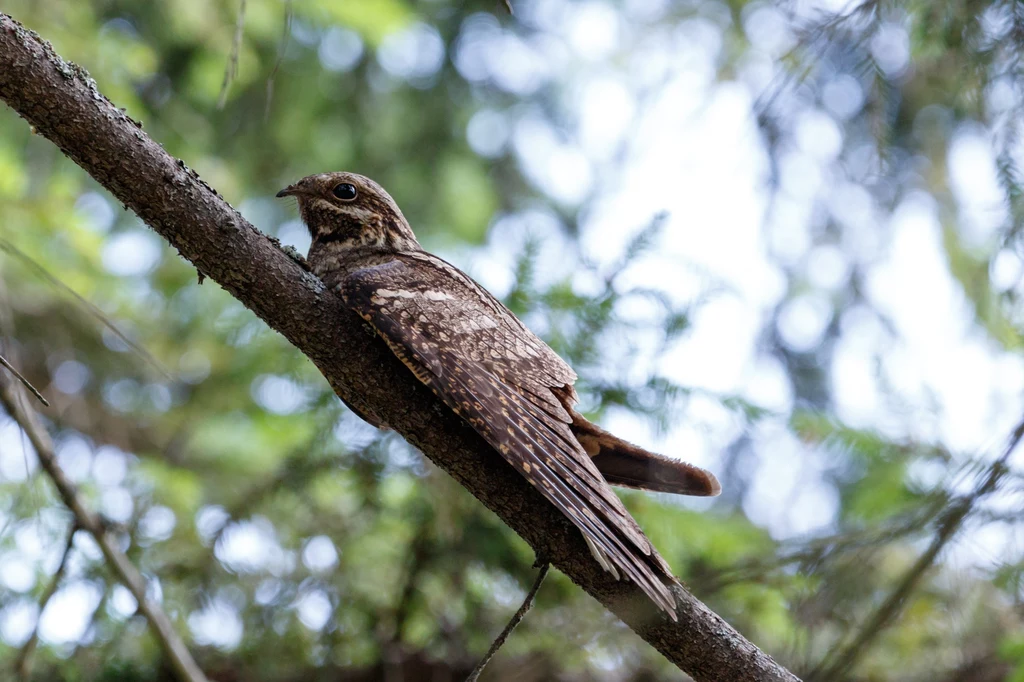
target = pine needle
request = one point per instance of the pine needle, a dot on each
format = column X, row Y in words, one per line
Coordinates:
column 23, row 380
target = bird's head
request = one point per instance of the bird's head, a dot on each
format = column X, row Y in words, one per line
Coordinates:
column 350, row 211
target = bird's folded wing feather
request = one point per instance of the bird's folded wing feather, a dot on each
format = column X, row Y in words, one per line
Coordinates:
column 490, row 369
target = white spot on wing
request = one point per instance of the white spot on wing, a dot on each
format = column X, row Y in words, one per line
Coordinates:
column 405, row 293
column 475, row 323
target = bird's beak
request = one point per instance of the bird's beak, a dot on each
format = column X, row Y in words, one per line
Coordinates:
column 295, row 189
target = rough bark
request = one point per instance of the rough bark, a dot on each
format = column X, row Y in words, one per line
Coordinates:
column 63, row 104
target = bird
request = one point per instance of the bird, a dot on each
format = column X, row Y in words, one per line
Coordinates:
column 486, row 366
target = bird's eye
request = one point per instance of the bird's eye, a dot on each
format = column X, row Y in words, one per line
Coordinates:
column 345, row 191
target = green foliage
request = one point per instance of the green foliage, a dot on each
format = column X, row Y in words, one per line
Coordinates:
column 290, row 541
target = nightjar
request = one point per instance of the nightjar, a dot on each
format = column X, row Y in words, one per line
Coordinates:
column 487, row 367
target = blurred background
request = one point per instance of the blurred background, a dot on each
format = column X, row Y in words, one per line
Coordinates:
column 778, row 240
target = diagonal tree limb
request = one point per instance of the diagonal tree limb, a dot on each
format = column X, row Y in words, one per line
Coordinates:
column 174, row 648
column 63, row 104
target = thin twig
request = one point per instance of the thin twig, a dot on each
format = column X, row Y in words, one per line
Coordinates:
column 6, row 319
column 817, row 549
column 949, row 524
column 516, row 618
column 24, row 381
column 508, row 6
column 11, row 249
column 231, row 70
column 286, row 33
column 23, row 663
column 174, row 648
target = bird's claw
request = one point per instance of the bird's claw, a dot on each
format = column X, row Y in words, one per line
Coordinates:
column 294, row 254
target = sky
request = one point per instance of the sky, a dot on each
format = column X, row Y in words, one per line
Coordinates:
column 653, row 130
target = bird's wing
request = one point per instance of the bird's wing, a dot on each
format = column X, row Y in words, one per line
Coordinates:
column 487, row 367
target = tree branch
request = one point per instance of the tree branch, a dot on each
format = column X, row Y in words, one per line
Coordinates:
column 181, row 661
column 62, row 103
column 836, row 665
column 23, row 663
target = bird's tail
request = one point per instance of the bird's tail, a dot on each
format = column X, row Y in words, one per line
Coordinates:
column 625, row 464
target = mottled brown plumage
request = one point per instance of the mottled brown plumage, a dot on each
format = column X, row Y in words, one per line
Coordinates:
column 490, row 369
